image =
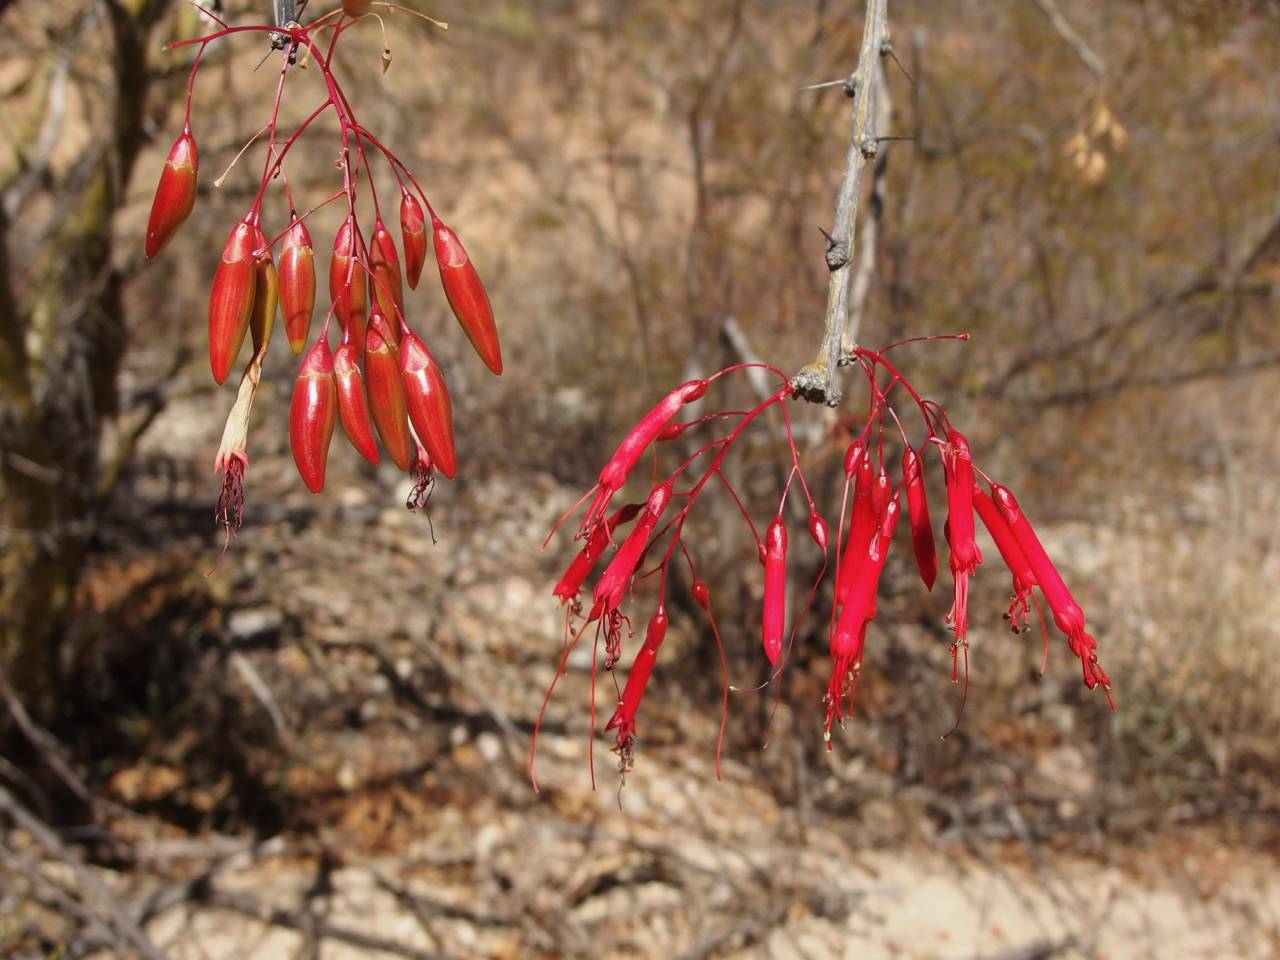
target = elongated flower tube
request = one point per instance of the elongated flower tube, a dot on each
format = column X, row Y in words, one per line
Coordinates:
column 430, row 409
column 1066, row 612
column 386, row 390
column 584, row 560
column 388, row 290
column 861, row 528
column 413, row 236
column 773, row 617
column 312, row 414
column 918, row 509
column 266, row 297
column 175, row 193
column 860, row 608
column 231, row 299
column 614, row 473
column 466, row 296
column 347, row 281
column 965, row 555
column 624, row 717
column 613, row 583
column 353, row 404
column 1024, row 577
column 297, row 284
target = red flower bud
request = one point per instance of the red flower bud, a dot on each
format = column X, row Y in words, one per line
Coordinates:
column 388, row 291
column 297, row 284
column 347, row 282
column 353, row 405
column 413, row 235
column 231, row 299
column 266, row 296
column 312, row 413
column 386, row 391
column 818, row 530
column 773, row 619
column 175, row 193
column 466, row 296
column 428, row 400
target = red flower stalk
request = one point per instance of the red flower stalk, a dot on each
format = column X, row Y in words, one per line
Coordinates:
column 624, row 717
column 353, row 404
column 921, row 527
column 1066, row 612
column 860, row 609
column 413, row 235
column 312, row 413
column 297, row 284
column 175, row 193
column 388, row 291
column 430, row 409
column 965, row 555
column 347, row 282
column 585, row 560
column 231, row 299
column 466, row 296
column 613, row 583
column 387, row 400
column 773, row 618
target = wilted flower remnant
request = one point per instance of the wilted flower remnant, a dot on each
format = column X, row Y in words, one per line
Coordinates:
column 645, row 540
column 381, row 374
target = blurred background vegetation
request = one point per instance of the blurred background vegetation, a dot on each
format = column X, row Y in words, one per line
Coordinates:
column 1091, row 190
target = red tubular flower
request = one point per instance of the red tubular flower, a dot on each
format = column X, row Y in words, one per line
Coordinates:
column 467, row 296
column 1066, row 612
column 1024, row 577
column 921, row 526
column 613, row 583
column 773, row 619
column 585, row 560
column 387, row 400
column 965, row 555
column 312, row 413
column 388, row 290
column 231, row 299
column 347, row 282
column 413, row 235
column 175, row 193
column 353, row 405
column 430, row 409
column 624, row 717
column 614, row 473
column 863, row 525
column 297, row 284
column 860, row 608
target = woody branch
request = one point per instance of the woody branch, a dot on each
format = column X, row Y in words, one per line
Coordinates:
column 818, row 381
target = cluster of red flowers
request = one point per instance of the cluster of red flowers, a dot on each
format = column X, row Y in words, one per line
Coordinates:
column 382, row 375
column 866, row 530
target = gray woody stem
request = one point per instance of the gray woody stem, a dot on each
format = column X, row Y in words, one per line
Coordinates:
column 818, row 381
